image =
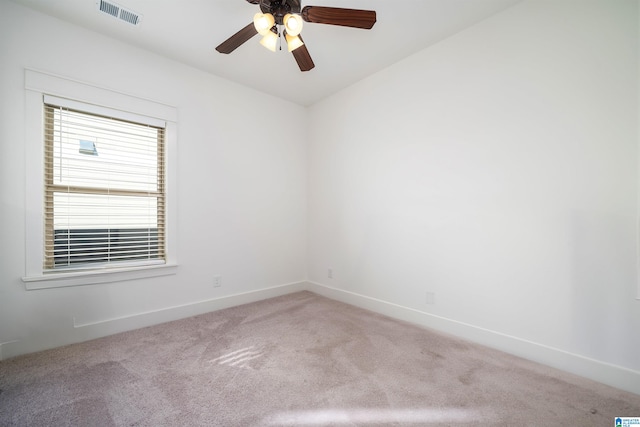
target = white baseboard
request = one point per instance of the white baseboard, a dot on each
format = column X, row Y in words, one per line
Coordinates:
column 615, row 376
column 78, row 332
column 606, row 373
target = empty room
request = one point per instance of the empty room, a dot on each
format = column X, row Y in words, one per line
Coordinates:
column 334, row 213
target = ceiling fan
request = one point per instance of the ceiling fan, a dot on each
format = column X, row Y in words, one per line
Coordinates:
column 288, row 14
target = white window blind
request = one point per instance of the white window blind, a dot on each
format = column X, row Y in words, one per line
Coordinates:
column 104, row 188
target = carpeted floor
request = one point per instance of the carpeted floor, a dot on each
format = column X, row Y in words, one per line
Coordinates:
column 296, row 360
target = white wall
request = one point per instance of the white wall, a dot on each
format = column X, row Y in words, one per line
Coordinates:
column 498, row 171
column 242, row 197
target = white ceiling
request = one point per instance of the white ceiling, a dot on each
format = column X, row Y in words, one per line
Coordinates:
column 189, row 30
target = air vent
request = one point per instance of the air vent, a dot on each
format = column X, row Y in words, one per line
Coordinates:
column 129, row 17
column 109, row 8
column 117, row 11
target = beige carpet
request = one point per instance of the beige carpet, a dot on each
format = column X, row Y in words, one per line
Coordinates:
column 296, row 360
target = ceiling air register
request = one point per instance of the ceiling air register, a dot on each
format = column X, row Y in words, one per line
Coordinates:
column 118, row 12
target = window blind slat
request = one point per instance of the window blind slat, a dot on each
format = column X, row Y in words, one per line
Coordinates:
column 104, row 189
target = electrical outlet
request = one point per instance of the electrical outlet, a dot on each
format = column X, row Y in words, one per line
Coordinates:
column 330, row 273
column 431, row 298
column 217, row 281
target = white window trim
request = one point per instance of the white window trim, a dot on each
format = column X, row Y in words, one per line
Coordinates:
column 37, row 85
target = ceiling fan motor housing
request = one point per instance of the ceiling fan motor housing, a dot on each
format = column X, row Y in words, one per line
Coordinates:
column 279, row 8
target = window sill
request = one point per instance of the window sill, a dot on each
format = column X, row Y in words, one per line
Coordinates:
column 92, row 277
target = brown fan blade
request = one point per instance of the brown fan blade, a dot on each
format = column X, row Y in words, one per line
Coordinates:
column 356, row 18
column 303, row 58
column 236, row 40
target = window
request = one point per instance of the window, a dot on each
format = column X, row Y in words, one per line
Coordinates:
column 101, row 179
column 104, row 190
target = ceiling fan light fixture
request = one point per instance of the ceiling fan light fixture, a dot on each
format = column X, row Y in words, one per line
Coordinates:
column 263, row 23
column 292, row 23
column 270, row 41
column 293, row 42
